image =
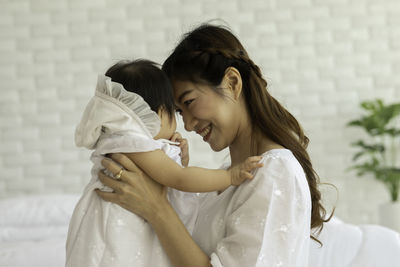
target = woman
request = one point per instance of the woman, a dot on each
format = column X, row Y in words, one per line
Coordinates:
column 221, row 95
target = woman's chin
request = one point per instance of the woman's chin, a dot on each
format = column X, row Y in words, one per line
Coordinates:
column 216, row 147
column 215, row 143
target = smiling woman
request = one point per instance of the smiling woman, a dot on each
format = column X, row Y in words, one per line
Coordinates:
column 221, row 94
column 212, row 57
column 208, row 113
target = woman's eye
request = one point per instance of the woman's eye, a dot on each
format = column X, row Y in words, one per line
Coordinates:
column 187, row 102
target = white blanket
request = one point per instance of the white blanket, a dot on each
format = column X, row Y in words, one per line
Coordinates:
column 33, row 230
column 355, row 246
column 345, row 245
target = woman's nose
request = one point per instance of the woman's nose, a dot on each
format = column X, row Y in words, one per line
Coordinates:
column 189, row 121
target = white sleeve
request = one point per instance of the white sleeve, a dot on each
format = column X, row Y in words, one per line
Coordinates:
column 270, row 222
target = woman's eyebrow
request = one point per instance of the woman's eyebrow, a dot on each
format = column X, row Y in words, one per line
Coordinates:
column 183, row 95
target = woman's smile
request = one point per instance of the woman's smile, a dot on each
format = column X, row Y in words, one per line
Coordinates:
column 205, row 132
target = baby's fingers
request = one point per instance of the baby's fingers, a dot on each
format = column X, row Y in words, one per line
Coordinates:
column 183, row 143
column 246, row 175
column 176, row 137
column 253, row 163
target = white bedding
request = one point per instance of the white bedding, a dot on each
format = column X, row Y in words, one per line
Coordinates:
column 355, row 246
column 41, row 253
column 33, row 232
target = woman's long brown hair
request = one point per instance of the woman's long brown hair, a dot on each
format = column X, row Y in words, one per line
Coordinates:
column 203, row 55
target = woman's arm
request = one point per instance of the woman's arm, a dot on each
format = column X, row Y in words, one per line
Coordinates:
column 141, row 195
column 176, row 240
column 191, row 179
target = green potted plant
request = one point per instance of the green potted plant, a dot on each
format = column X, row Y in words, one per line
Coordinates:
column 378, row 153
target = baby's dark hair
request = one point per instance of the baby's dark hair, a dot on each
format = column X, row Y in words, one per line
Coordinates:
column 145, row 78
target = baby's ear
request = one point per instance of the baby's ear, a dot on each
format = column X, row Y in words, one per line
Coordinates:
column 160, row 111
column 233, row 81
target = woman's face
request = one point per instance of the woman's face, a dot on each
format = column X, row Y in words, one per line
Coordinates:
column 206, row 112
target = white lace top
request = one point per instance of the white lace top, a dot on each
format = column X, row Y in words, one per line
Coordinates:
column 263, row 222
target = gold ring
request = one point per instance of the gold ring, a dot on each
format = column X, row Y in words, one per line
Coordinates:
column 118, row 176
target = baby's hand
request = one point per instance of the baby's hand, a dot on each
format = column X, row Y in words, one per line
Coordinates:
column 241, row 172
column 183, row 144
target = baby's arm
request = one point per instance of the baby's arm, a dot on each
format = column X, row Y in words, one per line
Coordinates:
column 192, row 179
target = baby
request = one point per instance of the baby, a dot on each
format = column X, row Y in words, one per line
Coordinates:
column 133, row 112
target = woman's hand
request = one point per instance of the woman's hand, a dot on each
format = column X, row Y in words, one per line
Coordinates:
column 134, row 190
column 183, row 144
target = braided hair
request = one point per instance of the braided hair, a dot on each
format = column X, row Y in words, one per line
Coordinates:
column 202, row 57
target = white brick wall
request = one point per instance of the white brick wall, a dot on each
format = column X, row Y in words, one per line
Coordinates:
column 320, row 57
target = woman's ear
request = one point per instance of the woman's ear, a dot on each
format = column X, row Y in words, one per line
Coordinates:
column 233, row 81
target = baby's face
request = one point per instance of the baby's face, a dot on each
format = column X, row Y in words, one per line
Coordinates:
column 168, row 125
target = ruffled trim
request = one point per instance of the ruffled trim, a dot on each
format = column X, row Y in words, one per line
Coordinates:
column 132, row 103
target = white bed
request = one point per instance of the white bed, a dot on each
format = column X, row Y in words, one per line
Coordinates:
column 33, row 231
column 348, row 245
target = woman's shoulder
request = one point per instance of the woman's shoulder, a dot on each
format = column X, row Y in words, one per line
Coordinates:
column 280, row 162
column 281, row 178
column 281, row 171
